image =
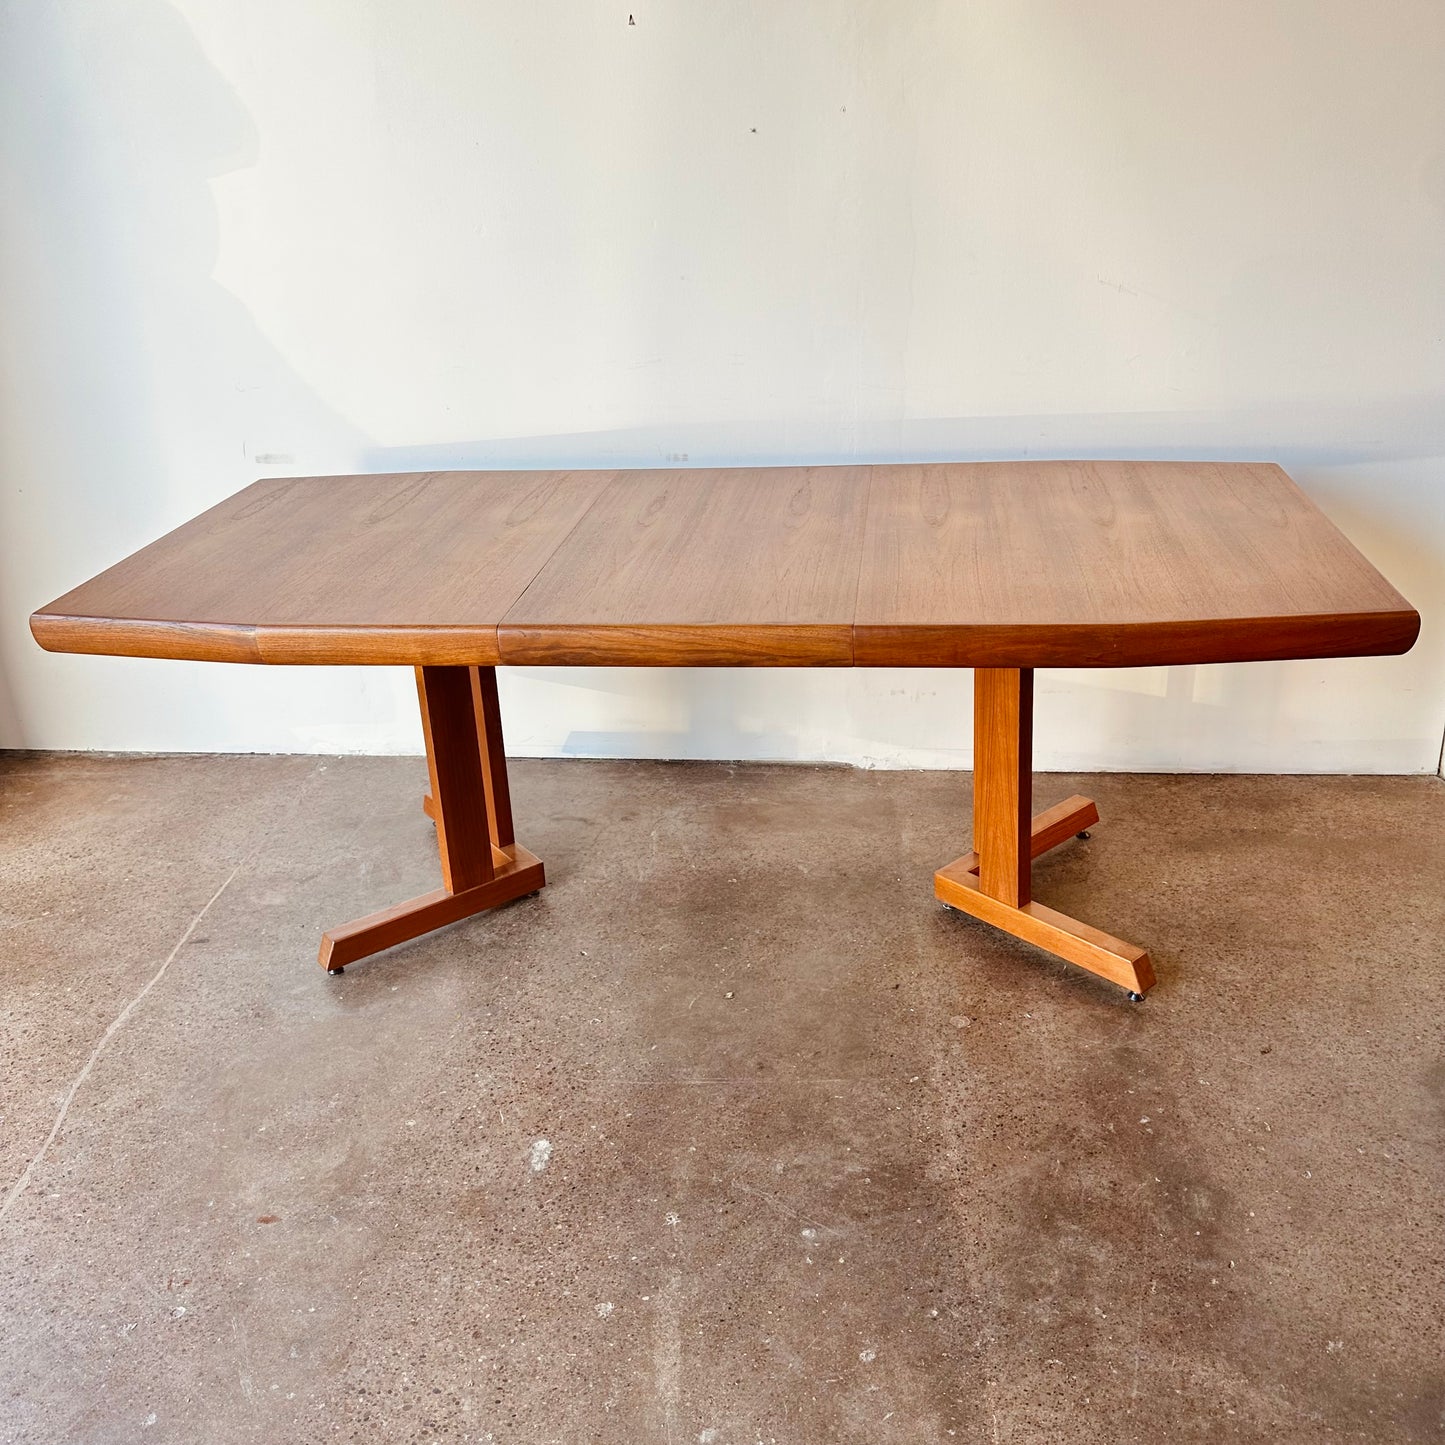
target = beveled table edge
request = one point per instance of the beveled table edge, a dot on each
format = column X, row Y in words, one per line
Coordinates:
column 1273, row 638
column 1136, row 644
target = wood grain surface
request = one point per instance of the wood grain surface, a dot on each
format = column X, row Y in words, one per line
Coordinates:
column 984, row 564
column 410, row 568
column 732, row 567
column 1096, row 564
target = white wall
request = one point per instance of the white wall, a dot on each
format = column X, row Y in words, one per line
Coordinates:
column 293, row 236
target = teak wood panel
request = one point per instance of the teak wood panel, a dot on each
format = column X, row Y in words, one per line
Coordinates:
column 413, row 568
column 1082, row 564
column 1009, row 564
column 732, row 567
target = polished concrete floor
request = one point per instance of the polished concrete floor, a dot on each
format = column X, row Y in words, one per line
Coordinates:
column 730, row 1135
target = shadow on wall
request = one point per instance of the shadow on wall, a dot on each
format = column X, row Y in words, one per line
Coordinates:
column 126, row 370
column 1325, row 433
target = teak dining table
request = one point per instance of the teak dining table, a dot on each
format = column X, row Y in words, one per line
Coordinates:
column 1002, row 567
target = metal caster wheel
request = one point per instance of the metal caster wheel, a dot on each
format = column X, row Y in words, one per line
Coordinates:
column 947, row 907
column 1085, row 834
column 335, row 972
column 1135, row 997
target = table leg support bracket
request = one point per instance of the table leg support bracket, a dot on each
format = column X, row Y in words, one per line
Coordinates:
column 994, row 883
column 482, row 864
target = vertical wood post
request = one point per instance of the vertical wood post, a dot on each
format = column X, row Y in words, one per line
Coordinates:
column 494, row 756
column 1003, row 760
column 454, row 729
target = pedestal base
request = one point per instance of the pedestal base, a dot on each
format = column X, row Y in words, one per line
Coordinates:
column 482, row 863
column 1065, row 937
column 994, row 883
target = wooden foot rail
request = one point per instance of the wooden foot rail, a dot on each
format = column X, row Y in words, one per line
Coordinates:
column 482, row 864
column 994, row 882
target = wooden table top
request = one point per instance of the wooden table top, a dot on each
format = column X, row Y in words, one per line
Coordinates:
column 969, row 564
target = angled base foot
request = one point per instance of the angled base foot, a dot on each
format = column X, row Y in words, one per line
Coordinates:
column 518, row 872
column 1060, row 935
